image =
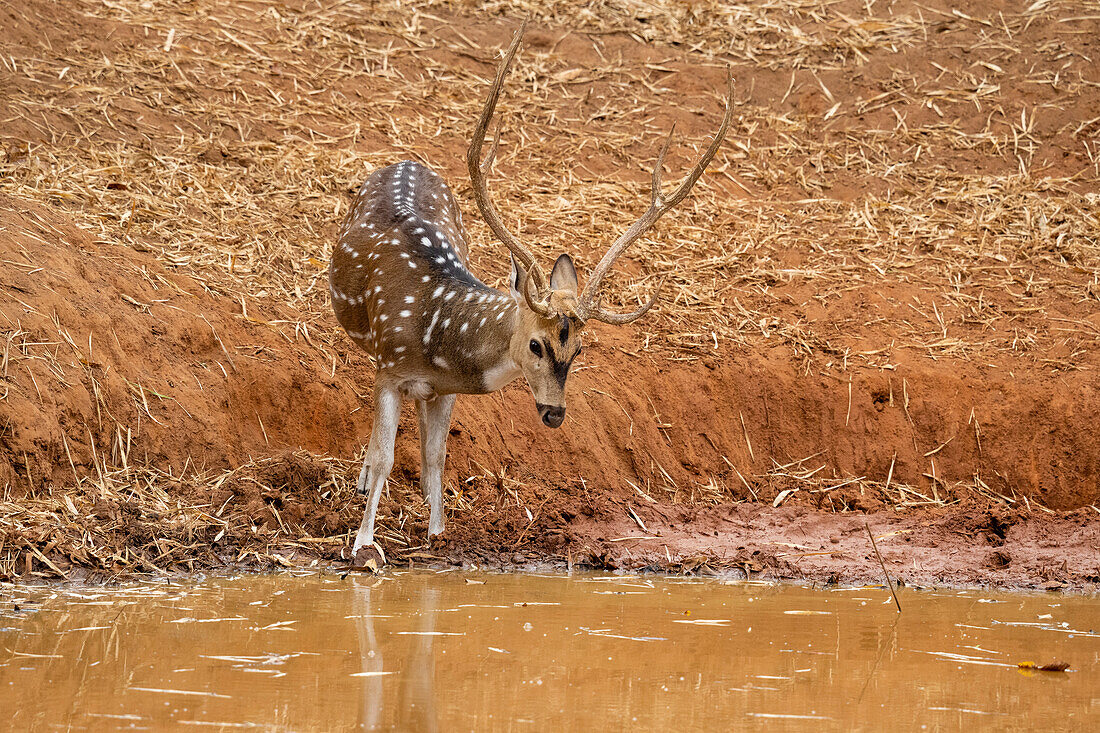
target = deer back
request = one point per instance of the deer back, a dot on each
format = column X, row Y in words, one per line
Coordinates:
column 401, row 287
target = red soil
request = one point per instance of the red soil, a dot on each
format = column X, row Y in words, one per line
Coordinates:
column 102, row 338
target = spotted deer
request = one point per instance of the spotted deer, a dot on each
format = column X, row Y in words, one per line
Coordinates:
column 402, row 290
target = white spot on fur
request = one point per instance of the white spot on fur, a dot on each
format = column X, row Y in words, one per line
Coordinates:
column 431, row 326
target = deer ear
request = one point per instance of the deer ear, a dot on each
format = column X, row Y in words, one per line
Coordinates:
column 517, row 280
column 564, row 275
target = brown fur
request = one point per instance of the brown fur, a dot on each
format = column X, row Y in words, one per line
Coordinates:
column 401, row 289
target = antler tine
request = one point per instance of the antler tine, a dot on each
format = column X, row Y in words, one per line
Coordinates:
column 479, row 171
column 619, row 319
column 659, row 205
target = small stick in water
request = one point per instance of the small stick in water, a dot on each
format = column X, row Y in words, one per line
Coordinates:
column 889, row 583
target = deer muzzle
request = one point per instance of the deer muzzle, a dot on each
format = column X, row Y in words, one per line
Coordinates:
column 552, row 415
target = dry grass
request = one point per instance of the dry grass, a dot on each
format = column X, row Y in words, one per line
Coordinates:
column 129, row 520
column 254, row 128
column 138, row 519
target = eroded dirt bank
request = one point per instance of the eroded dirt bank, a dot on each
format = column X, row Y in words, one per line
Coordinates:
column 882, row 307
column 653, row 490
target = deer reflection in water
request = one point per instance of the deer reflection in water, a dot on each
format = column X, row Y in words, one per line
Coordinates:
column 412, row 661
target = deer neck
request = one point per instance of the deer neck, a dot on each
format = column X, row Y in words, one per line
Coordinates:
column 497, row 365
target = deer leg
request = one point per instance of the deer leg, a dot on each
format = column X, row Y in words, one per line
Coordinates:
column 422, row 417
column 379, row 459
column 361, row 487
column 435, row 422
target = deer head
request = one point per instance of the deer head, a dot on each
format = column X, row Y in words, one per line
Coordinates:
column 544, row 345
column 551, row 315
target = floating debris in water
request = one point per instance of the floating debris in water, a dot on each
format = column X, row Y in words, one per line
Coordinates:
column 967, row 659
column 972, row 711
column 195, row 693
column 1052, row 667
column 790, row 716
column 607, row 634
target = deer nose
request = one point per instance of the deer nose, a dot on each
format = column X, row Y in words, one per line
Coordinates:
column 552, row 415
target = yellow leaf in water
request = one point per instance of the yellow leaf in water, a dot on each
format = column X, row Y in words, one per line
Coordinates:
column 1052, row 667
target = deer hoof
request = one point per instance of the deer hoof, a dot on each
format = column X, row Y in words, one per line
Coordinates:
column 369, row 556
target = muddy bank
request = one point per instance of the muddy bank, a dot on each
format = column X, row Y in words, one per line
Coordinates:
column 300, row 510
column 973, row 546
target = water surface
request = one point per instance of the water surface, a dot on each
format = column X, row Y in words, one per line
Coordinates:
column 424, row 651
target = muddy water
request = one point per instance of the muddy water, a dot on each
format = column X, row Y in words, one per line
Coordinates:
column 448, row 651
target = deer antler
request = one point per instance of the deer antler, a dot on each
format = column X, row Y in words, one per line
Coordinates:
column 588, row 306
column 479, row 170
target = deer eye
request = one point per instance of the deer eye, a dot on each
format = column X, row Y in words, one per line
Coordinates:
column 536, row 348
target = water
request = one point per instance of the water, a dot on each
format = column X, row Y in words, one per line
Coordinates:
column 423, row 651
